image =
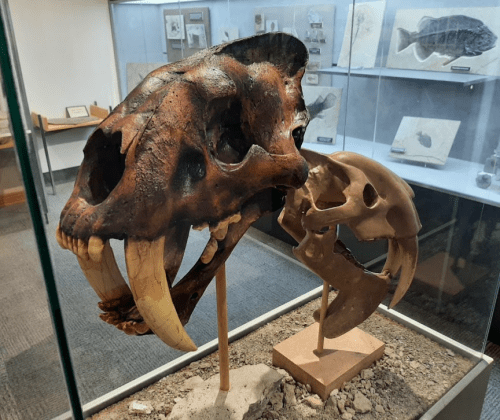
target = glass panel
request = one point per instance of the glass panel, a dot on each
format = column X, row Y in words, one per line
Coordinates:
column 356, row 101
column 426, row 111
column 104, row 357
column 32, row 383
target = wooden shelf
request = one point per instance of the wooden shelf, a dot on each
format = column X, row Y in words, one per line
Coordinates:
column 11, row 196
column 95, row 111
column 10, row 141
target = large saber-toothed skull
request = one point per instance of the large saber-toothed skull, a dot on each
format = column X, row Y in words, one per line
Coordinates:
column 209, row 141
column 350, row 189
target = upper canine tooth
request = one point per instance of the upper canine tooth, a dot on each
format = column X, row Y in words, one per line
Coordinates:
column 95, row 248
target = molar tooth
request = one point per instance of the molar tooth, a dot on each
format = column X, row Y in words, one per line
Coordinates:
column 95, row 248
column 235, row 218
column 210, row 250
column 219, row 232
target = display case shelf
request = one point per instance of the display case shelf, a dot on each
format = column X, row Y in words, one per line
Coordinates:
column 457, row 177
column 462, row 78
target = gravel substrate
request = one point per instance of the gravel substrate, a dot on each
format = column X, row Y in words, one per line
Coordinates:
column 412, row 375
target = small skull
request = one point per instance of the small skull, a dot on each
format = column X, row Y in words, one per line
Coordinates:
column 350, row 189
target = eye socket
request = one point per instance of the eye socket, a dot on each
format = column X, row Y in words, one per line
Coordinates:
column 298, row 136
column 370, row 196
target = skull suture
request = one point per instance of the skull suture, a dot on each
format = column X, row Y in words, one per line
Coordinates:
column 347, row 188
column 211, row 140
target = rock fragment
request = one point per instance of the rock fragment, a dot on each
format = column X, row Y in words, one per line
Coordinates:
column 314, row 402
column 140, row 407
column 361, row 403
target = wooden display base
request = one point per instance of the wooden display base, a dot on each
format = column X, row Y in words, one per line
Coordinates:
column 342, row 358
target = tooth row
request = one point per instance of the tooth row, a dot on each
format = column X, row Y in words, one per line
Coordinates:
column 92, row 249
column 217, row 234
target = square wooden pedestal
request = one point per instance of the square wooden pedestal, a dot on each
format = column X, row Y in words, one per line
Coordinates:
column 342, row 358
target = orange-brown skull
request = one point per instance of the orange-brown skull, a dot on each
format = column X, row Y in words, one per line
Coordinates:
column 350, row 189
column 202, row 142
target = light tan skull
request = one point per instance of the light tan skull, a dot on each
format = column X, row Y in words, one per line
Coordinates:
column 350, row 189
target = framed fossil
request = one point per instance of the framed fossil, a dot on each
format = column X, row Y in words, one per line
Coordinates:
column 174, row 26
column 186, row 31
column 196, row 36
column 313, row 24
column 426, row 140
column 458, row 39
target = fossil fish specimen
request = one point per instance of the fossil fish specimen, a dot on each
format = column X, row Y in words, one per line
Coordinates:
column 424, row 139
column 320, row 104
column 454, row 36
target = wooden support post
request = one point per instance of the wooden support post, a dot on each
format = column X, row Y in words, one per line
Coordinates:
column 322, row 314
column 220, row 279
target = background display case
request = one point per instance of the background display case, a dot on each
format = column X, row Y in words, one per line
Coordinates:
column 376, row 84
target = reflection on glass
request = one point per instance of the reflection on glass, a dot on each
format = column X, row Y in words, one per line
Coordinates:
column 32, row 385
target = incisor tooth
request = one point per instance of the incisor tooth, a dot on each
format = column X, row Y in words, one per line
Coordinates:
column 65, row 240
column 59, row 237
column 95, row 248
column 209, row 252
column 83, row 250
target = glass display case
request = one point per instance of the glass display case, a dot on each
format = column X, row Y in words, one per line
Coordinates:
column 409, row 84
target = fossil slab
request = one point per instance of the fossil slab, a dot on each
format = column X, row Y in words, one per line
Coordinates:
column 457, row 39
column 323, row 104
column 426, row 140
column 368, row 18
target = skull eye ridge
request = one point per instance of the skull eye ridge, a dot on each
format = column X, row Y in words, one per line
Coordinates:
column 370, row 196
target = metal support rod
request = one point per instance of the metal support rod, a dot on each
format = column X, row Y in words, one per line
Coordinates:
column 222, row 324
column 45, row 148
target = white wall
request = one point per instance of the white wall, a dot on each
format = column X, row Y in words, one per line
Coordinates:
column 67, row 58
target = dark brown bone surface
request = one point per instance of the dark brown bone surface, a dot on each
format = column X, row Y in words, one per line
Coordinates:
column 201, row 142
column 350, row 189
